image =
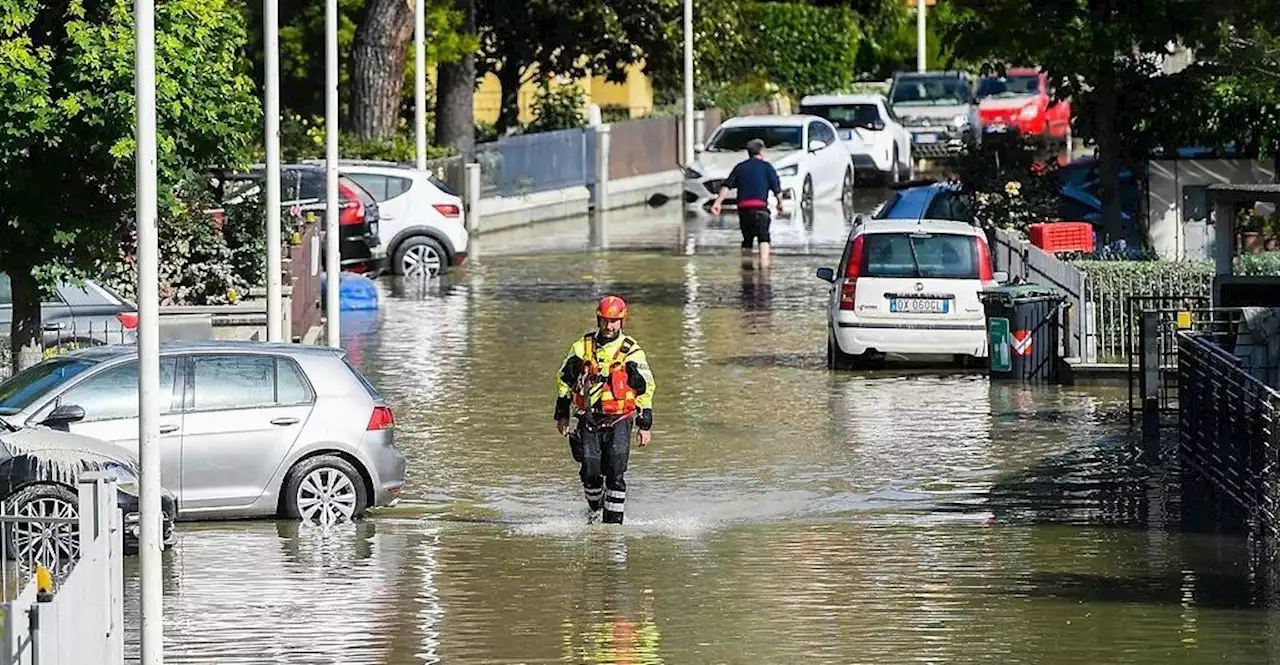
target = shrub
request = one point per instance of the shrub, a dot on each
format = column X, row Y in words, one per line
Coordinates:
column 558, row 108
column 803, row 48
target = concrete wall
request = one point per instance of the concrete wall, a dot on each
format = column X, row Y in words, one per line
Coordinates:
column 1175, row 201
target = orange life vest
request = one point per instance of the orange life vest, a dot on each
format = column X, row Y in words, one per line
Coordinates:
column 617, row 397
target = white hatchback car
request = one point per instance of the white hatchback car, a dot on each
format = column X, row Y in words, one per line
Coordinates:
column 812, row 163
column 423, row 227
column 908, row 291
column 878, row 141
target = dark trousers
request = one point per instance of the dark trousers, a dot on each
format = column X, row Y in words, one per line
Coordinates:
column 603, row 453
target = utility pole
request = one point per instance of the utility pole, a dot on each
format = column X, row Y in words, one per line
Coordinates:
column 271, row 62
column 688, row 82
column 333, row 261
column 420, row 82
column 920, row 36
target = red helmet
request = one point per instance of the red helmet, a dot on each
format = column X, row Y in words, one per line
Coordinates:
column 612, row 307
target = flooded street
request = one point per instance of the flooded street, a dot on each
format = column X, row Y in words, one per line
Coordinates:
column 782, row 514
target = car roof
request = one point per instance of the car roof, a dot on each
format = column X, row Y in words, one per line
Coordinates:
column 913, row 202
column 851, row 98
column 922, row 225
column 949, row 73
column 372, row 166
column 114, row 351
column 797, row 120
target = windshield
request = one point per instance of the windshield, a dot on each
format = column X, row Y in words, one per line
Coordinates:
column 31, row 384
column 920, row 255
column 930, row 92
column 1009, row 86
column 734, row 139
column 845, row 116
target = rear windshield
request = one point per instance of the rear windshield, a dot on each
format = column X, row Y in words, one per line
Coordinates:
column 31, row 384
column 368, row 387
column 922, row 255
column 845, row 116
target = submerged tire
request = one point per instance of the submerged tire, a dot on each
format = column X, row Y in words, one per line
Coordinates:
column 325, row 489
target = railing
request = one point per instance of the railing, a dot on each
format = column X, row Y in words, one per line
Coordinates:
column 62, row 337
column 304, row 277
column 532, row 163
column 450, row 170
column 1229, row 424
column 80, row 620
column 1025, row 261
column 641, row 147
column 1110, row 286
column 1153, row 350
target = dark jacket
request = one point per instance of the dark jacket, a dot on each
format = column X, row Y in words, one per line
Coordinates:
column 754, row 178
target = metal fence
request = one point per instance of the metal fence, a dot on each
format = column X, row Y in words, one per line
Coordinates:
column 641, row 147
column 1229, row 426
column 62, row 337
column 450, row 170
column 80, row 619
column 1153, row 349
column 531, row 163
column 305, row 278
column 1023, row 260
column 1109, row 292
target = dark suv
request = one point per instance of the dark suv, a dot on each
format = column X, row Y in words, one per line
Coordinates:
column 302, row 189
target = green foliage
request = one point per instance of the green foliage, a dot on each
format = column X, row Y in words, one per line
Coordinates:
column 67, row 144
column 558, row 108
column 730, row 97
column 803, row 49
column 1012, row 188
column 303, row 138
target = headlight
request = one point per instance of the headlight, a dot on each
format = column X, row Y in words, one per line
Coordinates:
column 789, row 170
column 126, row 479
column 692, row 173
column 1029, row 111
column 960, row 121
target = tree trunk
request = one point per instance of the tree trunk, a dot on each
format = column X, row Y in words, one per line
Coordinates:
column 26, row 333
column 456, row 90
column 1106, row 107
column 378, row 66
column 509, row 82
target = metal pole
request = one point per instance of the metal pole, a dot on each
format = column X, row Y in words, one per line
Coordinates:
column 333, row 262
column 271, row 49
column 420, row 81
column 148, row 331
column 920, row 36
column 688, row 82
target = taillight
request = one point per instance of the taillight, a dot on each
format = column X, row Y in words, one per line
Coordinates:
column 352, row 207
column 128, row 320
column 381, row 419
column 986, row 271
column 850, row 287
column 447, row 209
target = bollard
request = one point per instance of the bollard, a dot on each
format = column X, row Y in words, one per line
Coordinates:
column 699, row 131
column 471, row 203
column 602, row 168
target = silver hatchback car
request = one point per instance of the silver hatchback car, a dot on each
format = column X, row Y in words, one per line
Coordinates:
column 248, row 429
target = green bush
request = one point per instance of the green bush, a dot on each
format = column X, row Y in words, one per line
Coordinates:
column 730, row 97
column 803, row 48
column 303, row 138
column 558, row 108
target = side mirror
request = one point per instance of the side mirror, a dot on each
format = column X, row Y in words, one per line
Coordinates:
column 827, row 275
column 816, row 145
column 859, row 219
column 64, row 415
column 1001, row 277
column 699, row 147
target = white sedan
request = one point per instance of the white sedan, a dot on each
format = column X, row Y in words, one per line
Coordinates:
column 876, row 138
column 812, row 163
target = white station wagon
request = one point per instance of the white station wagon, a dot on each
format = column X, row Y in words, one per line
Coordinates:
column 908, row 291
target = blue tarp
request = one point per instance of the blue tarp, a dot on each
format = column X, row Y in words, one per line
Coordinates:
column 355, row 292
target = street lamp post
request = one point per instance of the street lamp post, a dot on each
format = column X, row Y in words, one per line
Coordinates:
column 271, row 51
column 420, row 82
column 144, row 34
column 333, row 267
column 920, row 36
column 688, row 82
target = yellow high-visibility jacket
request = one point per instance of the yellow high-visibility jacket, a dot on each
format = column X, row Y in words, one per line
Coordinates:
column 623, row 349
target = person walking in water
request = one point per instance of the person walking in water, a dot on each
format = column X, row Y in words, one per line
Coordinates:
column 754, row 178
column 607, row 383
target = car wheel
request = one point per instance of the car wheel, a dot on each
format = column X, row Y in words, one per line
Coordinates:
column 837, row 359
column 420, row 256
column 31, row 542
column 895, row 168
column 324, row 490
column 806, row 201
column 846, row 196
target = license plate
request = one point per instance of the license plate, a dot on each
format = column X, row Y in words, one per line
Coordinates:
column 919, row 306
column 926, row 138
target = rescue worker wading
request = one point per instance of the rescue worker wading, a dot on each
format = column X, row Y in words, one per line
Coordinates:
column 607, row 383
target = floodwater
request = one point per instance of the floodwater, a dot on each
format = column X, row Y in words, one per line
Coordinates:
column 782, row 514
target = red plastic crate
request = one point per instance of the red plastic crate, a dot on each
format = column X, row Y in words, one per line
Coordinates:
column 1063, row 236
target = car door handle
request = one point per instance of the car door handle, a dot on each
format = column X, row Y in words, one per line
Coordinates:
column 168, row 429
column 286, row 420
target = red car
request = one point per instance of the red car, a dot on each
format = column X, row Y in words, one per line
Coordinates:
column 1021, row 103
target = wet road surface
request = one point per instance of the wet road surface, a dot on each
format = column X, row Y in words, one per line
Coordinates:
column 782, row 514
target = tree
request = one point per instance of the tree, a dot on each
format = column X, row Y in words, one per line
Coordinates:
column 377, row 67
column 456, row 87
column 524, row 40
column 66, row 129
column 1090, row 50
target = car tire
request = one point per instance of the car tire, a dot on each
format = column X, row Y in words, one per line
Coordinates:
column 895, row 168
column 42, row 500
column 837, row 359
column 846, row 196
column 806, row 202
column 338, row 490
column 420, row 253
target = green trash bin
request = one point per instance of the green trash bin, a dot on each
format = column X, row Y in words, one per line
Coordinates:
column 1023, row 328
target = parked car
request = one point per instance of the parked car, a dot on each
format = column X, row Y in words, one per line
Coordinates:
column 909, row 292
column 39, row 474
column 1021, row 103
column 422, row 223
column 248, row 429
column 76, row 316
column 938, row 109
column 928, row 200
column 877, row 140
column 812, row 163
column 302, row 192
